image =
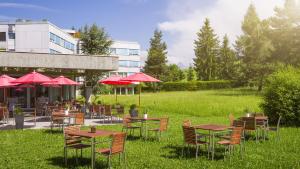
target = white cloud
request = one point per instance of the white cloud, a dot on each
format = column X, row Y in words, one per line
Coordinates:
column 185, row 18
column 22, row 5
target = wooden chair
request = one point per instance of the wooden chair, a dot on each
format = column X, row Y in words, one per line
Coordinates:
column 120, row 112
column 127, row 125
column 190, row 137
column 250, row 125
column 235, row 139
column 187, row 123
column 79, row 118
column 4, row 114
column 117, row 147
column 108, row 113
column 163, row 126
column 275, row 129
column 96, row 111
column 231, row 119
column 73, row 142
column 57, row 120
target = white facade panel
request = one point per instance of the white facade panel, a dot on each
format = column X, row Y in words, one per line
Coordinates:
column 3, row 44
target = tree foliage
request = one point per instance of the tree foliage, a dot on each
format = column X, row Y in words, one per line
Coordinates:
column 156, row 63
column 174, row 73
column 206, row 51
column 190, row 76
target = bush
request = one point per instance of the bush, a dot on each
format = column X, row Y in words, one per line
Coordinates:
column 81, row 99
column 196, row 85
column 282, row 96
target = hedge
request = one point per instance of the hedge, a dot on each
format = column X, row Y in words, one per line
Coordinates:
column 197, row 85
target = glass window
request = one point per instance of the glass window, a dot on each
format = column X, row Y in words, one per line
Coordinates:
column 11, row 35
column 134, row 64
column 122, row 51
column 54, row 51
column 134, row 52
column 2, row 36
column 61, row 42
column 123, row 63
column 112, row 51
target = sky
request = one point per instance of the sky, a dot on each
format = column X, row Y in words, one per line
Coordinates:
column 136, row 20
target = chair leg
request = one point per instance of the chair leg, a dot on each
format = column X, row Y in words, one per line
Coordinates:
column 76, row 156
column 65, row 155
column 182, row 150
column 109, row 161
column 197, row 149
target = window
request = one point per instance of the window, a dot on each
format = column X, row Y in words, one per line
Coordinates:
column 61, row 42
column 123, row 63
column 122, row 51
column 112, row 51
column 133, row 52
column 2, row 36
column 134, row 64
column 11, row 35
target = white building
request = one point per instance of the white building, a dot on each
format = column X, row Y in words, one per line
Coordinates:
column 35, row 37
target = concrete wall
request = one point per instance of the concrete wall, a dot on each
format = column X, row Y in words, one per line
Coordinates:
column 59, row 61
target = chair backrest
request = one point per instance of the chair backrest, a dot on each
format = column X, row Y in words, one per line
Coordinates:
column 187, row 123
column 1, row 113
column 163, row 124
column 118, row 143
column 107, row 110
column 79, row 118
column 121, row 110
column 278, row 122
column 231, row 119
column 259, row 114
column 236, row 135
column 239, row 123
column 69, row 140
column 250, row 123
column 126, row 121
column 189, row 135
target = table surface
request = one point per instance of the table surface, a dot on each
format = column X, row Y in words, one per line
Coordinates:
column 64, row 115
column 258, row 117
column 213, row 127
column 88, row 134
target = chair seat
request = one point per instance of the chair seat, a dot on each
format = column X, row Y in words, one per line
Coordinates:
column 272, row 128
column 224, row 142
column 227, row 137
column 154, row 129
column 201, row 142
column 79, row 146
column 104, row 151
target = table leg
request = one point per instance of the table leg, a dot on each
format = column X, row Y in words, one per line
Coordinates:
column 93, row 153
column 213, row 146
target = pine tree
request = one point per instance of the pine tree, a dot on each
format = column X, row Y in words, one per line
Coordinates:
column 227, row 61
column 256, row 48
column 155, row 64
column 285, row 33
column 190, row 73
column 206, row 49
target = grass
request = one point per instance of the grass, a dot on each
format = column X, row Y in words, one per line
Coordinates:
column 41, row 149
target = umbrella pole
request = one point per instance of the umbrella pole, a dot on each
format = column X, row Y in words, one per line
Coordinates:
column 61, row 94
column 116, row 95
column 4, row 93
column 140, row 90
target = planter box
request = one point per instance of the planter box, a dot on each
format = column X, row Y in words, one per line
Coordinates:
column 19, row 120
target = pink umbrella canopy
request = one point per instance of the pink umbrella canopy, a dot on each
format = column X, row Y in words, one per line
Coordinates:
column 61, row 80
column 5, row 81
column 32, row 78
column 140, row 77
column 114, row 80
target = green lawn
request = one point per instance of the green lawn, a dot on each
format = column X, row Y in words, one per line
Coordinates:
column 41, row 149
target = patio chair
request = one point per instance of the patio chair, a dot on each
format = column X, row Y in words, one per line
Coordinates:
column 127, row 125
column 4, row 114
column 235, row 139
column 120, row 112
column 190, row 137
column 73, row 142
column 163, row 126
column 275, row 129
column 57, row 120
column 231, row 119
column 117, row 147
column 108, row 113
column 250, row 125
column 187, row 123
column 79, row 118
column 96, row 111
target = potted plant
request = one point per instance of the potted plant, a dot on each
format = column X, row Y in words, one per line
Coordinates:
column 133, row 110
column 19, row 118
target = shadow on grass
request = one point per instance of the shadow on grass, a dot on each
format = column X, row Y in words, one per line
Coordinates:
column 53, row 131
column 175, row 152
column 82, row 162
column 240, row 92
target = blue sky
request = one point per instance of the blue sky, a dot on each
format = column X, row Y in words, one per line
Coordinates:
column 135, row 20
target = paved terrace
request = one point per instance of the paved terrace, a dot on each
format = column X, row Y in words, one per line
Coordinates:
column 43, row 122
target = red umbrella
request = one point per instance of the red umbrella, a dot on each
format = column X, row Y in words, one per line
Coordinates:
column 114, row 80
column 5, row 82
column 140, row 77
column 61, row 81
column 33, row 78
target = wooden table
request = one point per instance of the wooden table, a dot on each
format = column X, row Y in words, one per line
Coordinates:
column 144, row 123
column 212, row 128
column 65, row 116
column 93, row 136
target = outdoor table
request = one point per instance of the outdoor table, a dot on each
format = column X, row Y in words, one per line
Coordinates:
column 144, row 123
column 212, row 128
column 93, row 136
column 65, row 116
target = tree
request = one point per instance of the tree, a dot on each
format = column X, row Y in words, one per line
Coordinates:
column 227, row 61
column 174, row 73
column 155, row 64
column 285, row 33
column 206, row 51
column 255, row 48
column 190, row 74
column 94, row 41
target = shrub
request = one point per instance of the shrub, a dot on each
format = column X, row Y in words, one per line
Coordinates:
column 81, row 99
column 282, row 96
column 196, row 85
